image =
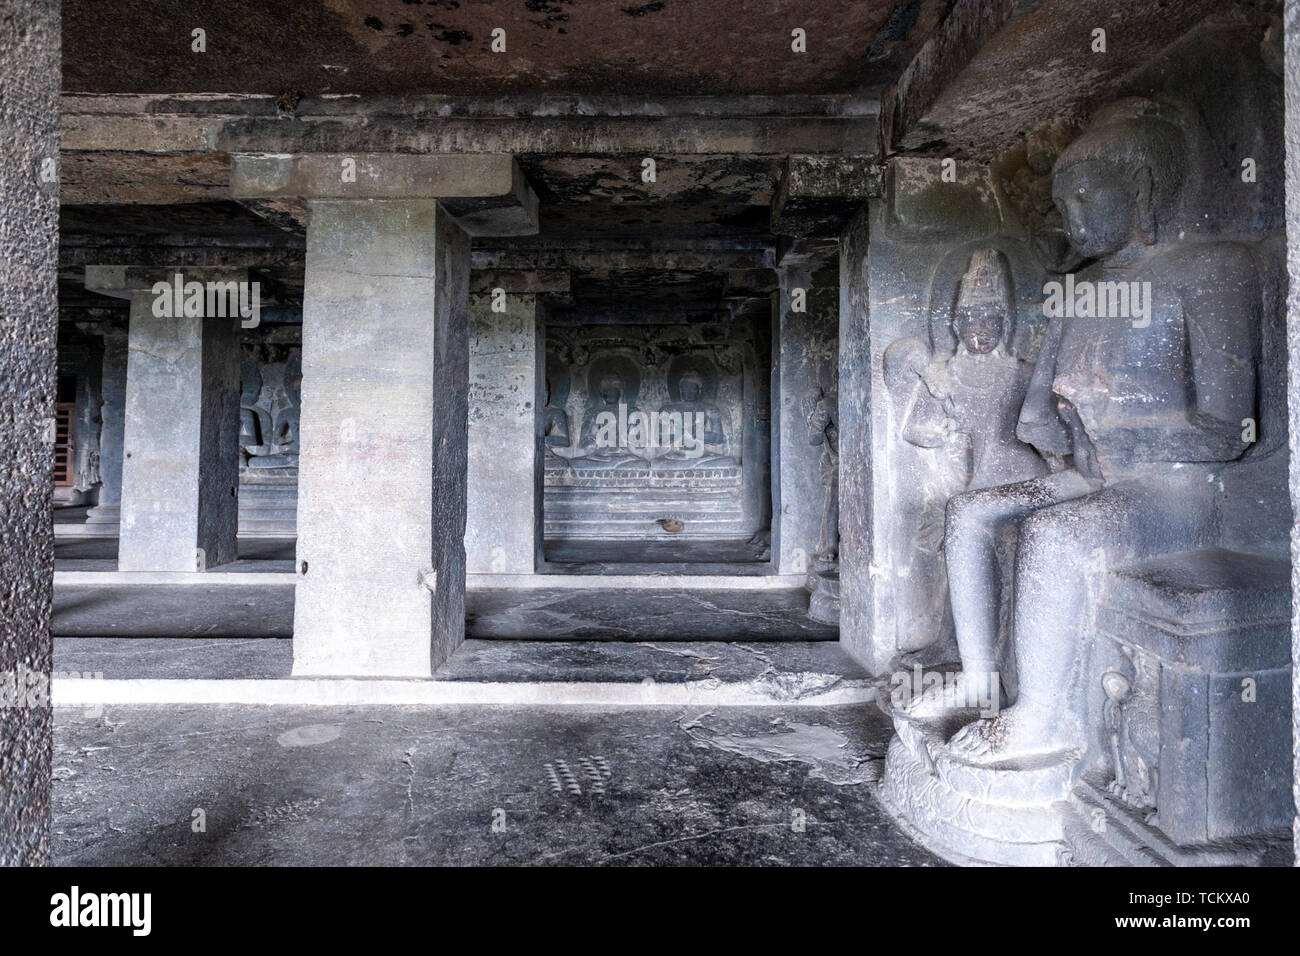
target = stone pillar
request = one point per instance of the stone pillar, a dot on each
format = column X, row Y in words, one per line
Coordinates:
column 504, row 524
column 385, row 361
column 856, row 583
column 381, row 472
column 112, row 416
column 29, row 235
column 180, row 467
column 1292, row 93
column 804, row 346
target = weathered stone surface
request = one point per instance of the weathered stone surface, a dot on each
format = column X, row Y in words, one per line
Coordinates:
column 858, row 381
column 1291, row 89
column 112, row 414
column 29, row 197
column 381, row 506
column 954, row 95
column 818, row 195
column 805, row 364
column 503, row 528
column 179, row 509
column 486, row 193
column 1119, row 615
column 655, row 430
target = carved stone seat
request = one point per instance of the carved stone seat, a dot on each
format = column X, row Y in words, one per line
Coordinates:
column 1202, row 680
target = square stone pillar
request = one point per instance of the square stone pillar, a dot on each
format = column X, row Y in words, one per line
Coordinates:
column 29, row 310
column 804, row 345
column 381, row 473
column 180, row 458
column 112, row 425
column 506, row 383
column 385, row 362
column 856, row 486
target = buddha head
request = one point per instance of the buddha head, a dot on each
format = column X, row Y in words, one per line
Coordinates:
column 611, row 389
column 689, row 387
column 1120, row 180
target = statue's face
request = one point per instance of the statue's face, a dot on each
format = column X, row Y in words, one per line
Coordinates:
column 611, row 389
column 1099, row 205
column 690, row 389
column 979, row 327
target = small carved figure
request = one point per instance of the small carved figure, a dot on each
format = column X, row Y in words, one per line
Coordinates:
column 824, row 430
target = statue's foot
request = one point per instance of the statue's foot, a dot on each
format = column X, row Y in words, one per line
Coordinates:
column 959, row 694
column 1018, row 732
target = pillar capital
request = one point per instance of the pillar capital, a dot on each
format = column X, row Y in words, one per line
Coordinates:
column 818, row 195
column 121, row 282
column 487, row 194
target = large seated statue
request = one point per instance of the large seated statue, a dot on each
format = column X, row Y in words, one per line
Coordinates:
column 1141, row 412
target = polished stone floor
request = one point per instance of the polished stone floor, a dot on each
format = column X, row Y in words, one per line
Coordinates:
column 472, row 785
column 669, row 557
column 239, row 610
column 789, row 669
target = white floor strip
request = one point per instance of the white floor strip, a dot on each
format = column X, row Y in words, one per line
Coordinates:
column 474, row 582
column 344, row 692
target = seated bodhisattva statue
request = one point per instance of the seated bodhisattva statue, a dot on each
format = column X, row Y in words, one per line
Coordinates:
column 1140, row 410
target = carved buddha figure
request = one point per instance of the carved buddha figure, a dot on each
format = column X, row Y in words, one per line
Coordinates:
column 1139, row 415
column 254, row 420
column 691, row 429
column 605, row 439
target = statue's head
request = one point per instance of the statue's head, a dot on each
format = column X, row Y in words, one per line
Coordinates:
column 1120, row 181
column 611, row 389
column 689, row 387
column 983, row 312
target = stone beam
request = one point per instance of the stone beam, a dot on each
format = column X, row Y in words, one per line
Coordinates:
column 609, row 126
column 519, row 281
column 614, row 257
column 818, row 195
column 996, row 69
column 486, row 194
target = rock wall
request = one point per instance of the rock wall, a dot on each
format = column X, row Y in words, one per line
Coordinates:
column 29, row 196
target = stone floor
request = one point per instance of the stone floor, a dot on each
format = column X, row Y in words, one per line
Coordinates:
column 789, row 669
column 392, row 786
column 661, row 558
column 242, row 610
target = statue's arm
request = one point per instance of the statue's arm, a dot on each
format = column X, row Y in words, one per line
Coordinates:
column 1222, row 315
column 1039, row 424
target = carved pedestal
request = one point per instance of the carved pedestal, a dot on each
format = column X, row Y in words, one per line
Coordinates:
column 1188, row 746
